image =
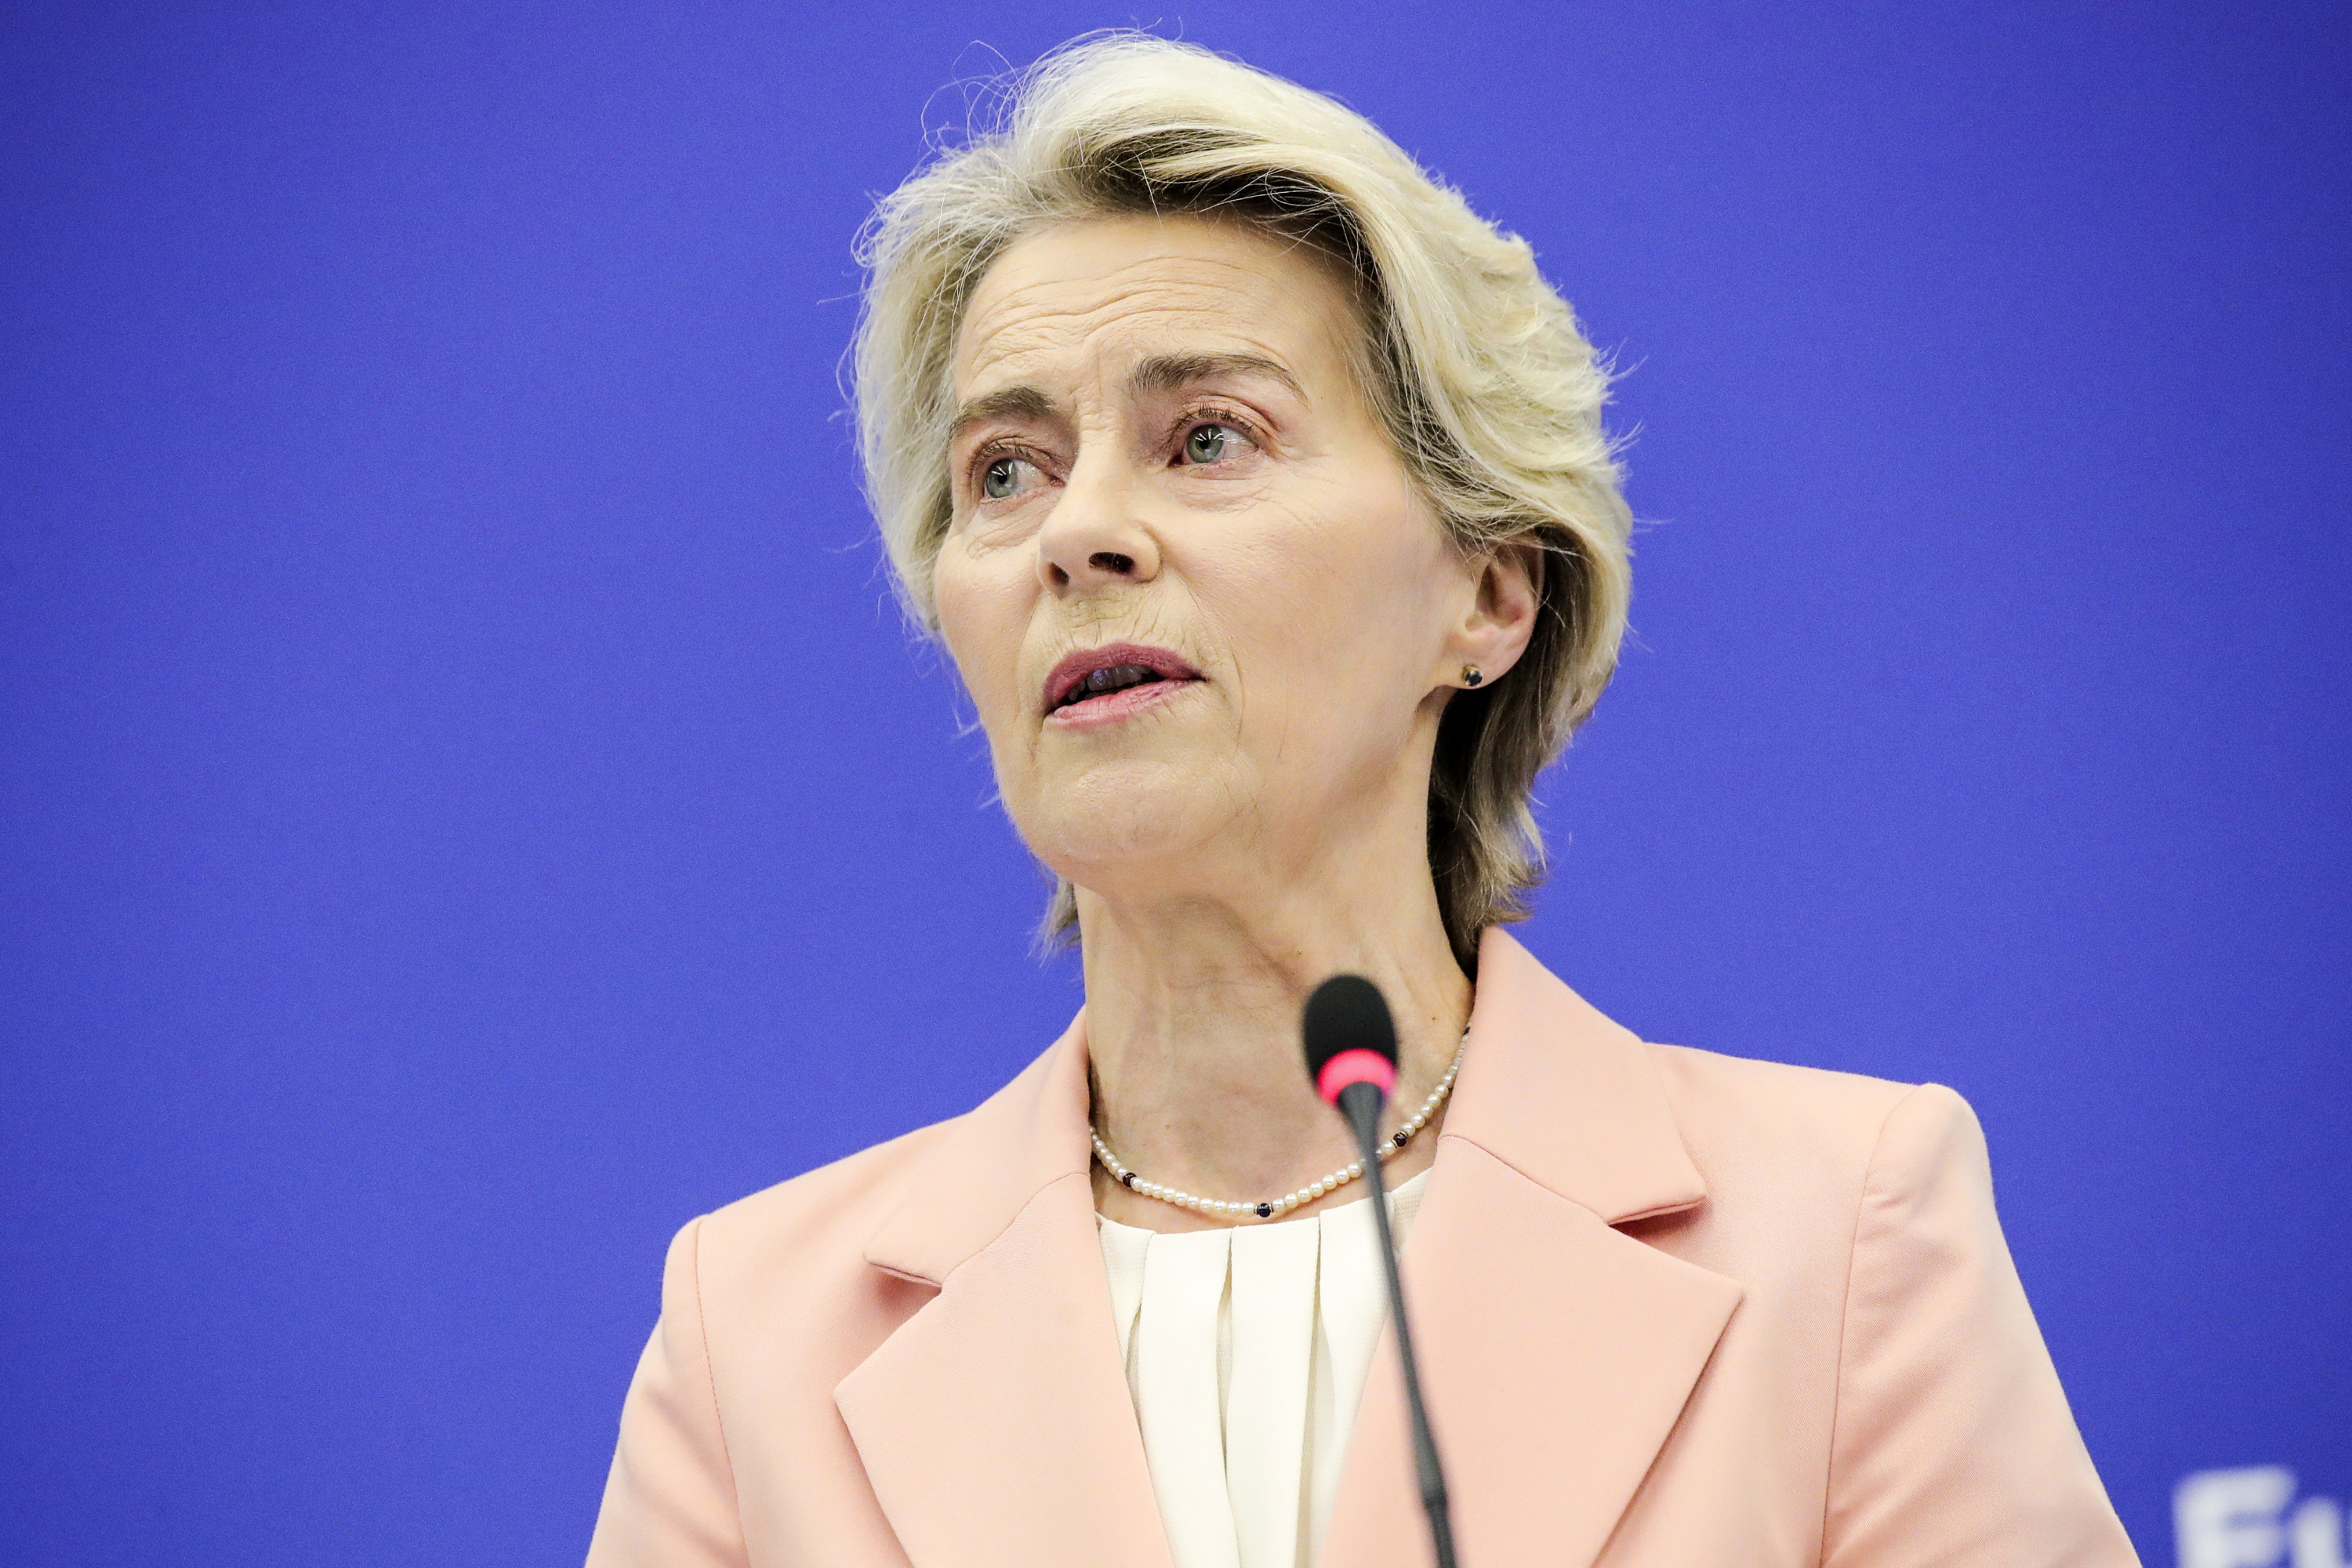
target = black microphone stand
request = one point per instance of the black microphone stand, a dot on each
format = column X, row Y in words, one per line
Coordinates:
column 1360, row 1104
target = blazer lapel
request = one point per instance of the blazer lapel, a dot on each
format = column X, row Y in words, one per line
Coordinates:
column 995, row 1423
column 1557, row 1353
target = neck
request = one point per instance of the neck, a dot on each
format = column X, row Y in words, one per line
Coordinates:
column 1193, row 1029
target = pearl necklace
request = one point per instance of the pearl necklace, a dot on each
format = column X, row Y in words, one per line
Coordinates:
column 1390, row 1147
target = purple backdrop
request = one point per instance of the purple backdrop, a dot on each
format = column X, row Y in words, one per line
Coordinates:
column 469, row 806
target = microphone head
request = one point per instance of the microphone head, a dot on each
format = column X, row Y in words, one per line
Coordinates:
column 1349, row 1037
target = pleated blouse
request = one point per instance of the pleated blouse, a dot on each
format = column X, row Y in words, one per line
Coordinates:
column 1247, row 1352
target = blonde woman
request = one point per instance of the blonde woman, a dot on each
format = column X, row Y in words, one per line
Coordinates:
column 1259, row 490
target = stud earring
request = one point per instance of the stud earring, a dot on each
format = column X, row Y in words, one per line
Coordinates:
column 1471, row 676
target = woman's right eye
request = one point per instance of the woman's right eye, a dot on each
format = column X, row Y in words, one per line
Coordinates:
column 1000, row 480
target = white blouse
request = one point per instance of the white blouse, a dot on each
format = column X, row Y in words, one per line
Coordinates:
column 1246, row 1351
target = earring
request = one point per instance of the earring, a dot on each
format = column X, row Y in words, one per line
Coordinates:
column 1470, row 675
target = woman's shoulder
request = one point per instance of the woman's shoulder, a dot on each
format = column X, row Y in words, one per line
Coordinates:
column 815, row 1226
column 1836, row 1135
column 1823, row 1099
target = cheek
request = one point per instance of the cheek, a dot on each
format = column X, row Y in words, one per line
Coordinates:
column 983, row 616
column 1345, row 590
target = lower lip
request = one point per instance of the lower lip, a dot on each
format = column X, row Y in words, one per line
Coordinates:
column 1096, row 712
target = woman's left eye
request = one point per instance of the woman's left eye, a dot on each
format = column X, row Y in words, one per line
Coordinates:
column 1212, row 443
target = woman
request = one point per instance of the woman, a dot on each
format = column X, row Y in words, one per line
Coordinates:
column 1258, row 490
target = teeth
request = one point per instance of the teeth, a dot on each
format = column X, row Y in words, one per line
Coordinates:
column 1113, row 678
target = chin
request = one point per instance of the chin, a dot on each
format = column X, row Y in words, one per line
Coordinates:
column 1118, row 815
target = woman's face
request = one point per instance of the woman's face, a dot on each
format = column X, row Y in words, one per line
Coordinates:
column 1207, row 620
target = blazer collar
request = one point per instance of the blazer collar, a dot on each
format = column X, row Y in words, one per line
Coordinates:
column 1557, row 1352
column 989, row 1164
column 1549, row 1087
column 1565, row 1097
column 995, row 1422
column 995, row 1425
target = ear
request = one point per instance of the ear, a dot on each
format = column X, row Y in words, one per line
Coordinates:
column 1502, row 614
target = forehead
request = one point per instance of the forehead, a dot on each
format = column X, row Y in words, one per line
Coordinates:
column 1094, row 296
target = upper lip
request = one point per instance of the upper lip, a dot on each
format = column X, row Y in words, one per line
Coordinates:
column 1075, row 667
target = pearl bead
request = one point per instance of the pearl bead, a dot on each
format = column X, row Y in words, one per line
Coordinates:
column 1388, row 1148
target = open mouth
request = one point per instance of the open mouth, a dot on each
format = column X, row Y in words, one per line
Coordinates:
column 1090, row 679
column 1103, row 682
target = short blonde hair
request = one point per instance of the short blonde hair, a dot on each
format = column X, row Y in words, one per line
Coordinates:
column 1477, row 369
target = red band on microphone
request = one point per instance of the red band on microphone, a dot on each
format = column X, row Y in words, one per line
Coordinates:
column 1355, row 1066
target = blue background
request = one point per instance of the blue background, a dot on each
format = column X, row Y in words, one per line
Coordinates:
column 470, row 806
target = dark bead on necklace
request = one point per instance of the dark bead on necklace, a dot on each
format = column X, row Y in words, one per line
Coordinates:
column 1266, row 1211
column 1128, row 1181
column 1401, row 1138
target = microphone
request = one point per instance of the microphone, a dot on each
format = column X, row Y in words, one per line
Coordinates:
column 1352, row 1053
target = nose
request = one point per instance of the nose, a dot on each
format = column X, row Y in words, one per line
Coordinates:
column 1095, row 539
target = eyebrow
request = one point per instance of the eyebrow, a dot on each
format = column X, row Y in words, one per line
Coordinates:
column 1159, row 373
column 1009, row 403
column 1173, row 373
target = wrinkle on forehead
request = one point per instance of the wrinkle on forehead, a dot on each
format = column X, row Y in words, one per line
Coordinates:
column 1120, row 289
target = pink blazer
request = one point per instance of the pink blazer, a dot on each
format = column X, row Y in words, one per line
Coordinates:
column 1675, row 1310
